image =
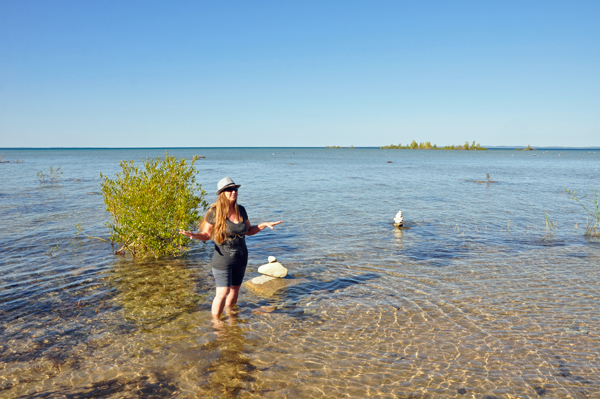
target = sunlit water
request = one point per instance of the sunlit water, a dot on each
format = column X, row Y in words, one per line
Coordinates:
column 477, row 298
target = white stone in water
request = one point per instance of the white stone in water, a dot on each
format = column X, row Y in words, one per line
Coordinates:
column 399, row 219
column 274, row 269
column 272, row 259
column 262, row 279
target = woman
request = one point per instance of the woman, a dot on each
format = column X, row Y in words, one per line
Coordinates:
column 227, row 224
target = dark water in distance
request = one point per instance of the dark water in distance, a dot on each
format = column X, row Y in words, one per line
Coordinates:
column 478, row 298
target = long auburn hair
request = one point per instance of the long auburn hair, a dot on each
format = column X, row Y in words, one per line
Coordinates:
column 220, row 208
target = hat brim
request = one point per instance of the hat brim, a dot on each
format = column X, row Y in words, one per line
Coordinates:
column 228, row 186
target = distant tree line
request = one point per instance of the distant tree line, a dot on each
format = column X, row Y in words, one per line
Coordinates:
column 528, row 148
column 427, row 146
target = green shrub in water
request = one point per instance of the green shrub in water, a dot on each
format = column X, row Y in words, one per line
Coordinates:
column 52, row 177
column 150, row 204
column 593, row 210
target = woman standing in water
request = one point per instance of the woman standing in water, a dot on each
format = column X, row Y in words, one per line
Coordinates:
column 227, row 224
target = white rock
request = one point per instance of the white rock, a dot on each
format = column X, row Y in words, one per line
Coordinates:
column 274, row 269
column 272, row 259
column 262, row 279
column 399, row 219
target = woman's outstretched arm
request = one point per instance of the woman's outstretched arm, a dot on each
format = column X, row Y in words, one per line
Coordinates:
column 260, row 227
column 204, row 235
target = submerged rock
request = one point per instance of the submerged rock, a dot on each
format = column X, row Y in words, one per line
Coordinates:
column 262, row 279
column 267, row 285
column 274, row 277
column 273, row 269
column 264, row 309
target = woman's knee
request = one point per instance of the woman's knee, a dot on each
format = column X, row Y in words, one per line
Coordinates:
column 222, row 292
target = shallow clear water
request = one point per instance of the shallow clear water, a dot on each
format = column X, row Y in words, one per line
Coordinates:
column 477, row 298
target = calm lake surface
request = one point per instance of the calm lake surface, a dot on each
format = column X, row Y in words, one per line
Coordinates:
column 477, row 298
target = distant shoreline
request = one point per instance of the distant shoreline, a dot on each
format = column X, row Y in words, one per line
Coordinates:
column 538, row 148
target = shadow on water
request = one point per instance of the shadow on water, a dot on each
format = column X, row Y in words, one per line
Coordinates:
column 158, row 385
column 337, row 284
column 437, row 253
column 291, row 299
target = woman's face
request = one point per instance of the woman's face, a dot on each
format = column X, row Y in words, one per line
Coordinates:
column 231, row 194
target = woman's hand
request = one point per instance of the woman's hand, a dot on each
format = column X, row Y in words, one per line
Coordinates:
column 187, row 233
column 203, row 235
column 271, row 224
column 260, row 227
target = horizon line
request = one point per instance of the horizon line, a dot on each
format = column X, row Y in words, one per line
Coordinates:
column 500, row 147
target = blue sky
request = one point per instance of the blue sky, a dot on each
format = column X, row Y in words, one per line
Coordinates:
column 298, row 73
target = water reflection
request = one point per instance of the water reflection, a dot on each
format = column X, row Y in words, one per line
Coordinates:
column 153, row 293
column 231, row 372
column 398, row 234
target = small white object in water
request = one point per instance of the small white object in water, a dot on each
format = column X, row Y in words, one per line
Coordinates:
column 272, row 259
column 398, row 219
column 274, row 269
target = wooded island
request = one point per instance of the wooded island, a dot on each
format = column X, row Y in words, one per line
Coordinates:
column 427, row 146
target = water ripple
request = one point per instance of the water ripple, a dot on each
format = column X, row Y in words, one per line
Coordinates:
column 475, row 298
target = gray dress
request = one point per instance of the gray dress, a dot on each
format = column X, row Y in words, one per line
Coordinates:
column 233, row 253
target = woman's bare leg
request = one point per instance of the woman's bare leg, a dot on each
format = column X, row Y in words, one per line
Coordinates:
column 232, row 298
column 219, row 302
